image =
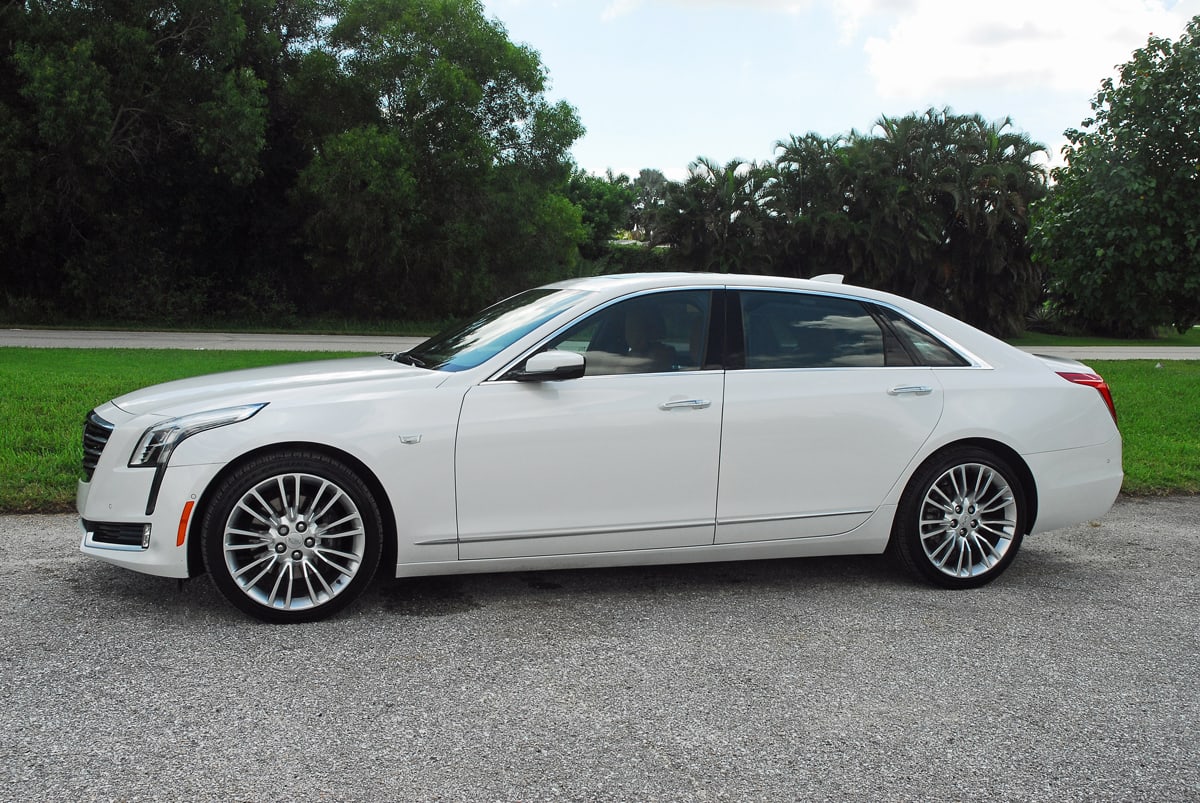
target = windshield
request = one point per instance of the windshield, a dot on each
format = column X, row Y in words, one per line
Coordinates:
column 496, row 328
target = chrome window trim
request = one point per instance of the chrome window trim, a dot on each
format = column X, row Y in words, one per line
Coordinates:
column 974, row 361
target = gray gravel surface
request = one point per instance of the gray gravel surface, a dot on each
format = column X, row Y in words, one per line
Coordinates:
column 1073, row 678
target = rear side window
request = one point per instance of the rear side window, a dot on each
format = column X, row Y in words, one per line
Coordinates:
column 932, row 351
column 798, row 330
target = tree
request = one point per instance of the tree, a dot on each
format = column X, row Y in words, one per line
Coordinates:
column 986, row 271
column 479, row 165
column 360, row 157
column 604, row 203
column 364, row 180
column 1120, row 231
column 713, row 220
column 805, row 205
column 134, row 161
column 650, row 190
column 932, row 206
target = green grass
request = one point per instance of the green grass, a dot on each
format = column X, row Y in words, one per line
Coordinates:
column 1158, row 410
column 45, row 394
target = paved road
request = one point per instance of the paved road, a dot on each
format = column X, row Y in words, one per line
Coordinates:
column 49, row 338
column 1073, row 678
column 1119, row 352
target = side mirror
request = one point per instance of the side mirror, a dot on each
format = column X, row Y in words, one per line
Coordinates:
column 551, row 366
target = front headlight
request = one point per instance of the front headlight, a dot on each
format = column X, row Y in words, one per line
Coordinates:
column 156, row 444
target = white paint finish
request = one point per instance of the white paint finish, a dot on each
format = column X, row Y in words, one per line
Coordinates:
column 350, row 376
column 1029, row 407
column 369, row 423
column 627, row 469
column 1076, row 485
column 588, row 457
column 364, row 419
column 868, row 539
column 774, row 529
column 125, row 501
column 814, row 445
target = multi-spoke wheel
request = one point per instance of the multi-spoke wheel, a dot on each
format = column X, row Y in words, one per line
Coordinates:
column 292, row 537
column 961, row 519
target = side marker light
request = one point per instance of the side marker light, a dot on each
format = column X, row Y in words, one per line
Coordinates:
column 184, row 518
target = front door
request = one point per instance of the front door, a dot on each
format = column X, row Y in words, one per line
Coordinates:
column 624, row 458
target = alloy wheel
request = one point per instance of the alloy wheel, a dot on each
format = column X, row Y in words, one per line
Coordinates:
column 294, row 541
column 968, row 520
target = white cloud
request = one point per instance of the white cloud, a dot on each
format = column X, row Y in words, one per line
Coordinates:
column 621, row 8
column 923, row 48
column 854, row 14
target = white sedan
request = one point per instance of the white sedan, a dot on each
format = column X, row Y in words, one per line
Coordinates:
column 608, row 421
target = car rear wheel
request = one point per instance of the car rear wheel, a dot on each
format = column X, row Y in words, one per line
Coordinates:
column 292, row 537
column 961, row 519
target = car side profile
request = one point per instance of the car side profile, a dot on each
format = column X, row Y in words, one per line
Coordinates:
column 607, row 421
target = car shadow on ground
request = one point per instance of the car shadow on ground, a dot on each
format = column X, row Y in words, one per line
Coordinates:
column 119, row 592
column 115, row 592
column 451, row 594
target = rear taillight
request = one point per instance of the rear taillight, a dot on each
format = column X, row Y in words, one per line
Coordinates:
column 1093, row 381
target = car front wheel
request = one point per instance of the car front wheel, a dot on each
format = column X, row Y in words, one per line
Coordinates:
column 961, row 519
column 292, row 537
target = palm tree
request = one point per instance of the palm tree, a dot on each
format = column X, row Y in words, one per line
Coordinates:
column 713, row 219
column 934, row 206
column 989, row 278
column 941, row 204
column 804, row 205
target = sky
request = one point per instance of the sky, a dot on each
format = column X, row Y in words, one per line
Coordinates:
column 659, row 83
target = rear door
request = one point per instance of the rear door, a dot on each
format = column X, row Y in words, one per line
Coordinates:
column 823, row 412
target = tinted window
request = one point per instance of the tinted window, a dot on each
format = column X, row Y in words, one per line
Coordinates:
column 647, row 334
column 797, row 330
column 931, row 350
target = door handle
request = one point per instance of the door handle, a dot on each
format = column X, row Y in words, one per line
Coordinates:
column 686, row 404
column 913, row 390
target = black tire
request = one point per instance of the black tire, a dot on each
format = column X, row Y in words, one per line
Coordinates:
column 961, row 519
column 293, row 536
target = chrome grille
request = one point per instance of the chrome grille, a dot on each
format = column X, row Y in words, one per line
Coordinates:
column 96, row 432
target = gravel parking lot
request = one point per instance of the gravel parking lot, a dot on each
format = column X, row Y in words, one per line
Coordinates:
column 1073, row 678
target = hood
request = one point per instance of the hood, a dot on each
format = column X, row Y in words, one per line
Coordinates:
column 256, row 385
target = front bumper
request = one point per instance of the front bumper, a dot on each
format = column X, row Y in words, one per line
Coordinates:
column 113, row 519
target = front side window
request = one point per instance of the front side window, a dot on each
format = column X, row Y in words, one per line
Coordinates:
column 647, row 334
column 799, row 330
